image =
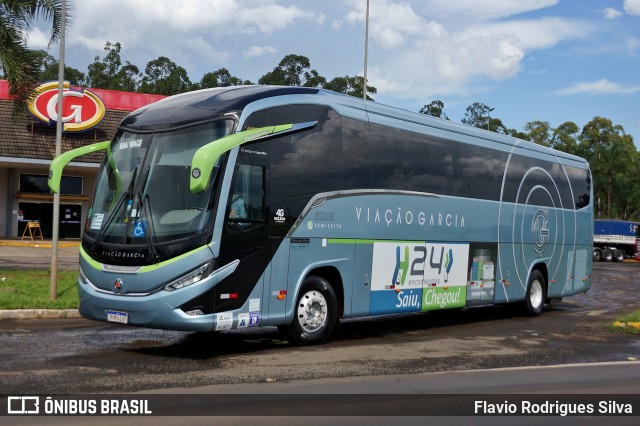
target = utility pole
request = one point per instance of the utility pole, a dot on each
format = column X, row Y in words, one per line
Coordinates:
column 489, row 117
column 53, row 289
column 366, row 52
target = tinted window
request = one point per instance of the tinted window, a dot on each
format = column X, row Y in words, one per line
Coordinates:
column 384, row 154
column 71, row 185
column 357, row 170
column 473, row 172
column 581, row 184
column 247, row 198
column 427, row 164
column 308, row 162
column 37, row 184
column 537, row 182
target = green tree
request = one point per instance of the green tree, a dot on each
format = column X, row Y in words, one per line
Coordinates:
column 351, row 86
column 434, row 109
column 478, row 115
column 19, row 64
column 164, row 77
column 220, row 78
column 293, row 70
column 109, row 73
column 611, row 153
column 515, row 133
column 539, row 132
column 49, row 70
column 565, row 137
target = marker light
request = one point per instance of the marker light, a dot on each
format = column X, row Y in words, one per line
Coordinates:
column 191, row 278
column 82, row 277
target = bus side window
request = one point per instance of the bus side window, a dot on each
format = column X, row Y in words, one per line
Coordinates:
column 247, row 197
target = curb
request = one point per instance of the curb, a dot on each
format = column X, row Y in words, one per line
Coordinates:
column 628, row 325
column 37, row 244
column 39, row 313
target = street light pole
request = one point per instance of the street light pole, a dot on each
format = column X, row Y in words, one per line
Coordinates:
column 53, row 288
column 366, row 52
column 489, row 117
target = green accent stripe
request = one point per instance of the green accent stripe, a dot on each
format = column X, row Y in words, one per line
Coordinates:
column 348, row 241
column 96, row 265
column 148, row 268
column 207, row 156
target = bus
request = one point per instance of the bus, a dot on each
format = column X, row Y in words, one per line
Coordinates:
column 297, row 207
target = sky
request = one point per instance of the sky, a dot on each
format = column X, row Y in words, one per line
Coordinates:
column 547, row 60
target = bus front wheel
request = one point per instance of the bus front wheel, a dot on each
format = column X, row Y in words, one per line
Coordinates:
column 315, row 313
column 536, row 294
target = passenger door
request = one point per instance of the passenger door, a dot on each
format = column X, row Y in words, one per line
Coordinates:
column 245, row 234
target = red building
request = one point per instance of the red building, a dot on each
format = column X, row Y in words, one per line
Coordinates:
column 27, row 146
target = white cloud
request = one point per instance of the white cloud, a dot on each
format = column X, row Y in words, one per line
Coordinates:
column 598, row 87
column 254, row 51
column 462, row 12
column 611, row 13
column 632, row 7
column 390, row 24
column 38, row 39
column 198, row 47
column 632, row 45
column 443, row 56
column 165, row 25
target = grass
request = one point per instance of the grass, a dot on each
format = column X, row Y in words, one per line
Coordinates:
column 29, row 289
column 629, row 323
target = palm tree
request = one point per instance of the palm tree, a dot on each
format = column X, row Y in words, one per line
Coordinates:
column 19, row 64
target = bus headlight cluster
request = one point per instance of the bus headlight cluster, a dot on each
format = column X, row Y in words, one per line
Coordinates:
column 83, row 278
column 191, row 278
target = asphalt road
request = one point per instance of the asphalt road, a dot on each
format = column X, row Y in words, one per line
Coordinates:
column 79, row 356
column 37, row 255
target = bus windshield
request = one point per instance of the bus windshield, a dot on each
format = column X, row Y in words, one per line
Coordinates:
column 142, row 193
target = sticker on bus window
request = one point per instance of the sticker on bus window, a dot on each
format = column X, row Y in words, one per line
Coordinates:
column 96, row 221
column 139, row 228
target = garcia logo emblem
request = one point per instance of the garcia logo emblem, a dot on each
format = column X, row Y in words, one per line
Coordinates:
column 81, row 108
column 540, row 231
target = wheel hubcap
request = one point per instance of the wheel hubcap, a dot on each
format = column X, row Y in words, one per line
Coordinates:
column 536, row 294
column 312, row 311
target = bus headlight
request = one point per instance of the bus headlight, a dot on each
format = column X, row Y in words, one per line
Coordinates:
column 192, row 277
column 82, row 278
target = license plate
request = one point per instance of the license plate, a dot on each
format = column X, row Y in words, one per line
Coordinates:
column 118, row 316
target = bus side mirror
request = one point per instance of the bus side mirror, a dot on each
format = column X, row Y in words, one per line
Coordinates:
column 207, row 156
column 58, row 163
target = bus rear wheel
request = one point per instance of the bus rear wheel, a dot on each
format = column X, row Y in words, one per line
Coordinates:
column 536, row 294
column 315, row 314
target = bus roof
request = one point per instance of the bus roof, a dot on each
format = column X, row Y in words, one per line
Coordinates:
column 202, row 105
column 207, row 104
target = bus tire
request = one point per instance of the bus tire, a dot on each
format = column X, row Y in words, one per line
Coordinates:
column 607, row 255
column 618, row 255
column 536, row 294
column 597, row 255
column 315, row 314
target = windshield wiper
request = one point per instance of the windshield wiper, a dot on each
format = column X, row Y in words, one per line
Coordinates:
column 115, row 211
column 145, row 203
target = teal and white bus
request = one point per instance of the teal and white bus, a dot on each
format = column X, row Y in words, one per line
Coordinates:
column 239, row 207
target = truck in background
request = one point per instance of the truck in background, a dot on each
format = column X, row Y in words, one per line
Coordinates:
column 614, row 239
